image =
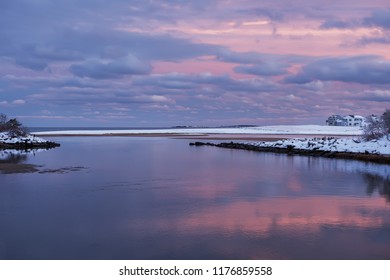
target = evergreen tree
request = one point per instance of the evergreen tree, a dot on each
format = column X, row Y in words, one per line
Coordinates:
column 12, row 126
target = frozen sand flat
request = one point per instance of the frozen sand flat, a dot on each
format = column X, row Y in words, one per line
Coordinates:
column 260, row 130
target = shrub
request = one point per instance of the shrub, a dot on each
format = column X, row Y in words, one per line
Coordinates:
column 377, row 128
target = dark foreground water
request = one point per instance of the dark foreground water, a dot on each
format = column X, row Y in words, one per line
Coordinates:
column 158, row 198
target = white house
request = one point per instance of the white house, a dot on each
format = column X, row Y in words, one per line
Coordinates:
column 349, row 120
column 336, row 120
column 354, row 120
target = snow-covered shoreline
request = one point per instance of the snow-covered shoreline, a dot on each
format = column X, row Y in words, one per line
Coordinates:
column 377, row 151
column 330, row 144
column 24, row 142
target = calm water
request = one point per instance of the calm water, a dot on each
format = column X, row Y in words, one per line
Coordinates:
column 158, row 198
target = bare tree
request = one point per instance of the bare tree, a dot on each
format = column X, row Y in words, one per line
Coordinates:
column 3, row 121
column 386, row 123
column 377, row 127
column 373, row 129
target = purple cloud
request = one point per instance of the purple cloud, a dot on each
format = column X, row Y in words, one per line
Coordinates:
column 197, row 82
column 374, row 40
column 336, row 24
column 95, row 59
column 379, row 18
column 355, row 69
column 129, row 65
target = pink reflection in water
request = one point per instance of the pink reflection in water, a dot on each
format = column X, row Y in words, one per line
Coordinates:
column 258, row 218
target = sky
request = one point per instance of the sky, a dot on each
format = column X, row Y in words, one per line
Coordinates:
column 149, row 63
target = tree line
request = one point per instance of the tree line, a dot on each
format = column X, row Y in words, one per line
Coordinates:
column 12, row 126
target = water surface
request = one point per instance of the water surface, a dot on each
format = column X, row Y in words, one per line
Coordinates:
column 158, row 198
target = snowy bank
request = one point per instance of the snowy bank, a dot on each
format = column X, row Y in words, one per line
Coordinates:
column 24, row 142
column 377, row 151
column 329, row 144
column 279, row 129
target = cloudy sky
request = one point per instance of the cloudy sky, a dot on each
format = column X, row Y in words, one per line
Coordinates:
column 206, row 62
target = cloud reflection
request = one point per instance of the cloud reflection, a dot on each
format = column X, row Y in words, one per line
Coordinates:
column 300, row 215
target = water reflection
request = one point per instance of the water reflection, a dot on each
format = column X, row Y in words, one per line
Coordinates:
column 13, row 161
column 12, row 156
column 377, row 183
column 160, row 199
column 17, row 155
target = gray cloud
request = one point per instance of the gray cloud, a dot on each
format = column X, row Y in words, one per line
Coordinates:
column 259, row 64
column 70, row 56
column 336, row 24
column 40, row 33
column 356, row 69
column 240, row 57
column 376, row 95
column 199, row 81
column 81, row 45
column 226, row 55
column 379, row 18
column 129, row 65
column 374, row 40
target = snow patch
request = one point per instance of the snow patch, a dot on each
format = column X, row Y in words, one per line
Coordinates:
column 6, row 139
column 330, row 144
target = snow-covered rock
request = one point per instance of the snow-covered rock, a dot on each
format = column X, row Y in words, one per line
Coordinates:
column 5, row 138
column 28, row 141
column 330, row 144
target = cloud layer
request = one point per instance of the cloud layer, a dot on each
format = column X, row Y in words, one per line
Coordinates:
column 162, row 63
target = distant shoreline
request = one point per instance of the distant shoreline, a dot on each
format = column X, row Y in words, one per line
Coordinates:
column 241, row 132
column 205, row 136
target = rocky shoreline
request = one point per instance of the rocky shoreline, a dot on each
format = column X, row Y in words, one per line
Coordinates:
column 291, row 150
column 29, row 145
column 25, row 142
